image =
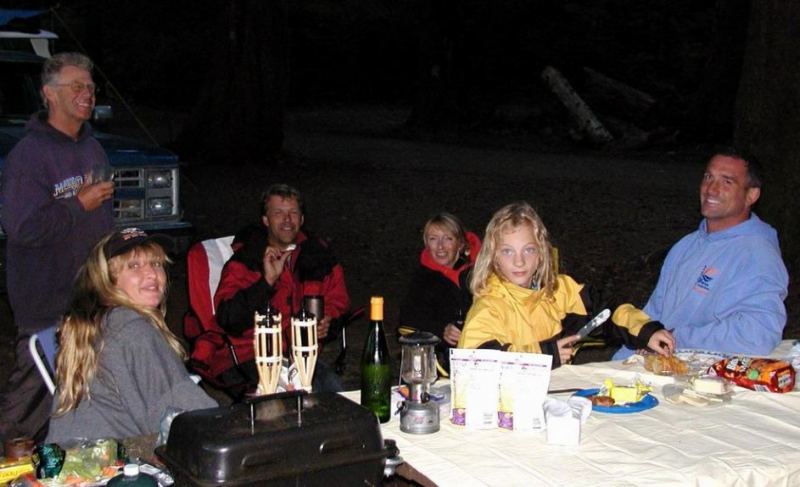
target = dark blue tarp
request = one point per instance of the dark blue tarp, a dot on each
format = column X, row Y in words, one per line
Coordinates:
column 8, row 15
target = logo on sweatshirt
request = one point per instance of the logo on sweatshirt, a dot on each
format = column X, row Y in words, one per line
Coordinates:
column 68, row 187
column 703, row 283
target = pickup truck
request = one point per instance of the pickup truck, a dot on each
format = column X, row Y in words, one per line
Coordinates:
column 146, row 177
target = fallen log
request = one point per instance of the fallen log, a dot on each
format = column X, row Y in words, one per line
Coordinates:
column 615, row 97
column 577, row 108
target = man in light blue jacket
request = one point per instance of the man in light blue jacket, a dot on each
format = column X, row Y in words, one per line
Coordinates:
column 722, row 286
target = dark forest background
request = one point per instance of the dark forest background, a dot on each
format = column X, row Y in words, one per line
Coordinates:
column 723, row 71
column 461, row 64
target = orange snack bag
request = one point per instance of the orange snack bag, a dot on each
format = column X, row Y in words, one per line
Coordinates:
column 758, row 374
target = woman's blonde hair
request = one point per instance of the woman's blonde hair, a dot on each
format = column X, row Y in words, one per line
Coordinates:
column 505, row 220
column 451, row 224
column 81, row 334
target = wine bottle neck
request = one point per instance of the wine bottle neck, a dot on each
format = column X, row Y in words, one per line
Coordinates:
column 376, row 308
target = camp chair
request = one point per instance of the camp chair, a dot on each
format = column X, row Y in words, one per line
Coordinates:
column 204, row 263
column 338, row 330
column 213, row 350
column 42, row 347
column 586, row 343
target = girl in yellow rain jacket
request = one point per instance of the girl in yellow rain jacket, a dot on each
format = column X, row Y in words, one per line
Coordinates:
column 521, row 305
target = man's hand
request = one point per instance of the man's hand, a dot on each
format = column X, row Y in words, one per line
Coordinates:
column 662, row 342
column 92, row 195
column 451, row 334
column 565, row 348
column 273, row 263
column 323, row 326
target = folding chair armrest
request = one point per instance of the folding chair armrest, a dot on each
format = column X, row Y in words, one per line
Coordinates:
column 232, row 350
column 41, row 366
column 346, row 320
column 406, row 330
column 585, row 344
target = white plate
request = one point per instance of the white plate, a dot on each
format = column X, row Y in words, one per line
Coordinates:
column 674, row 394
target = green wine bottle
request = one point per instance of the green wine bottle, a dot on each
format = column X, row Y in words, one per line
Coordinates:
column 376, row 372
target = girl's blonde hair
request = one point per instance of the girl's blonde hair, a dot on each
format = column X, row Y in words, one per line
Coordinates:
column 505, row 220
column 81, row 334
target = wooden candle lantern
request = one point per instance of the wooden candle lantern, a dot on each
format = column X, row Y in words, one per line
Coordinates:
column 268, row 344
column 305, row 346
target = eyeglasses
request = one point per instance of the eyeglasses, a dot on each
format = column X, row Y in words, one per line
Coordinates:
column 77, row 87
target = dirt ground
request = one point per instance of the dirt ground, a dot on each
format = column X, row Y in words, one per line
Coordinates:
column 612, row 216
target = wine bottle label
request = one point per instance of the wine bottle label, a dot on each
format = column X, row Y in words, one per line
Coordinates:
column 376, row 308
column 376, row 390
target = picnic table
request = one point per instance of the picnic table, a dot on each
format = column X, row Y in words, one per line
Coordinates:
column 752, row 440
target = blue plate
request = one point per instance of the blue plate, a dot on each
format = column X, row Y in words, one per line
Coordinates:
column 647, row 402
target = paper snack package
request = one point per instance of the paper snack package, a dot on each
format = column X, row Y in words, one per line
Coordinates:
column 524, row 379
column 475, row 378
column 758, row 374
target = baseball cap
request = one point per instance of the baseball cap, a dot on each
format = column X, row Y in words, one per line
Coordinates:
column 124, row 240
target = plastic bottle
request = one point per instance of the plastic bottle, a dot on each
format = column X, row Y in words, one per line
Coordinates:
column 376, row 371
column 132, row 477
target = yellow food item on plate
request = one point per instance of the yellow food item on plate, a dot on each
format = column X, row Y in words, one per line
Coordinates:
column 625, row 394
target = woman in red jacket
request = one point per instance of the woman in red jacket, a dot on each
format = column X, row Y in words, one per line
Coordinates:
column 438, row 297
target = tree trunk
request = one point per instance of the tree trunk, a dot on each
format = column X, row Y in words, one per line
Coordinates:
column 240, row 112
column 711, row 114
column 768, row 114
column 439, row 74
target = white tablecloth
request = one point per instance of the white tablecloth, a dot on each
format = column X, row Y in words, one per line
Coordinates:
column 752, row 441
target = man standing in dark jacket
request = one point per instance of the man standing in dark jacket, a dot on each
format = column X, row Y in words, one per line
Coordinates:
column 277, row 263
column 57, row 199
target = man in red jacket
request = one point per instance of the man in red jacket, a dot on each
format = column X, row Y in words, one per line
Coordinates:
column 276, row 262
